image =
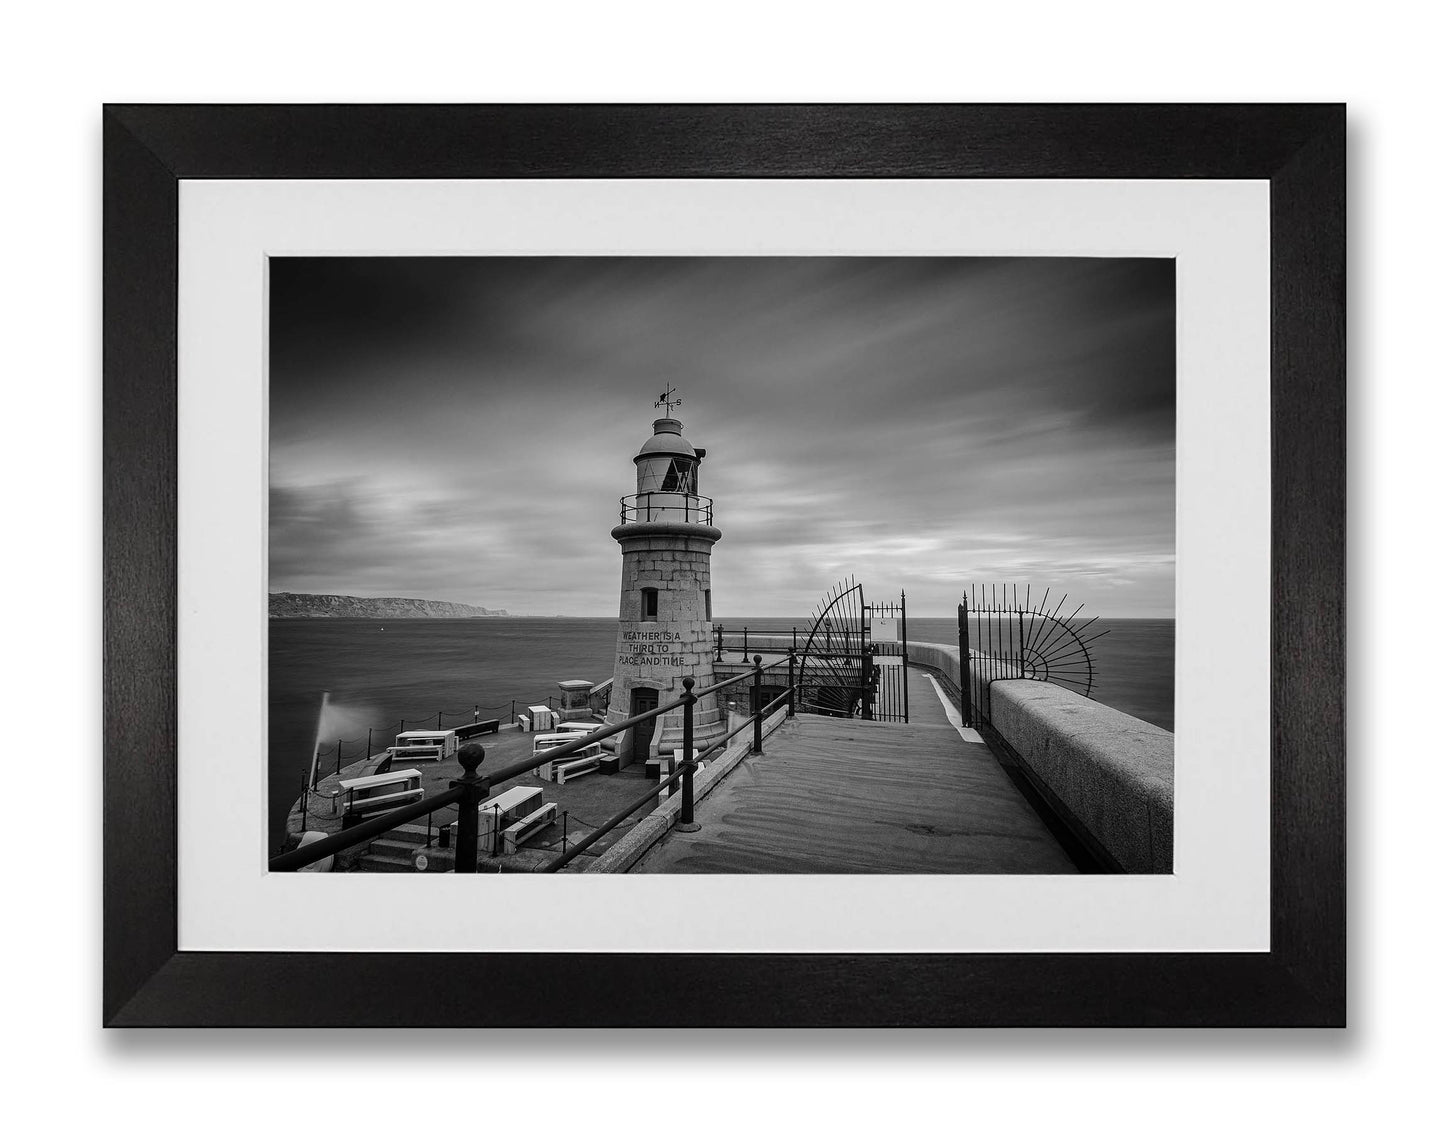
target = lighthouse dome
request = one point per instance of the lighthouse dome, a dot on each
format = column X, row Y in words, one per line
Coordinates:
column 667, row 440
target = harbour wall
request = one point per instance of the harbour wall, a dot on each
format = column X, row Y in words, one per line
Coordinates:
column 1107, row 775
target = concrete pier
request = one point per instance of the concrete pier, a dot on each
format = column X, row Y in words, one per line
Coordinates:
column 857, row 796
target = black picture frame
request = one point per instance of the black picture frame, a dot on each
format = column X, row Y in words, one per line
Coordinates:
column 1299, row 149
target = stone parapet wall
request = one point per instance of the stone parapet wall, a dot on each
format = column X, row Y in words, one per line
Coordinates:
column 940, row 657
column 1112, row 772
column 1109, row 775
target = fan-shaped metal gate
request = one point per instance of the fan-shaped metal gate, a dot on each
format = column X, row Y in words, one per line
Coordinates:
column 840, row 671
column 1003, row 638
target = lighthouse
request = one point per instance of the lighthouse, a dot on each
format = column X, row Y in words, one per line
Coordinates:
column 664, row 622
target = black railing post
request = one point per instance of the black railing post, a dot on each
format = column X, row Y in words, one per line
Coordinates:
column 686, row 822
column 338, row 757
column 792, row 682
column 757, row 704
column 865, row 674
column 305, row 801
column 745, row 643
column 471, row 789
column 903, row 621
column 964, row 672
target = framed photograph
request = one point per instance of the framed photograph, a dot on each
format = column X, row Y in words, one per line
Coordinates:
column 974, row 476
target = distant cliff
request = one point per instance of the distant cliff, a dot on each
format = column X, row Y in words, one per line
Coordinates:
column 287, row 605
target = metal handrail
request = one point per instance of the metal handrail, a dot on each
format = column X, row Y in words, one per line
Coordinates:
column 378, row 824
column 692, row 503
column 374, row 826
column 686, row 769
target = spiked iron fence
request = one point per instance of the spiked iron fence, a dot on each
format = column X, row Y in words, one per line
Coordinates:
column 1002, row 637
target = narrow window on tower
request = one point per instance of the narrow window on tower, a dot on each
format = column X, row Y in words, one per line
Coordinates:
column 707, row 604
column 649, row 602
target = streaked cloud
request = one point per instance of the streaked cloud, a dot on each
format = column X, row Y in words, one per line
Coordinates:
column 463, row 428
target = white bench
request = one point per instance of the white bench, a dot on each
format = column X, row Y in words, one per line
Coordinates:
column 547, row 772
column 520, row 830
column 423, row 745
column 513, row 803
column 564, row 769
column 517, row 802
column 371, row 791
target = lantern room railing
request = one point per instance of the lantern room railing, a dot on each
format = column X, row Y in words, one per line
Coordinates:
column 673, row 508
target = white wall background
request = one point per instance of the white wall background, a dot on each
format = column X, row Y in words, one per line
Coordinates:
column 64, row 61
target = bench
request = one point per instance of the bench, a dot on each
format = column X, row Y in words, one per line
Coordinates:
column 516, row 802
column 480, row 728
column 520, row 830
column 424, row 743
column 547, row 772
column 418, row 751
column 513, row 803
column 564, row 769
column 373, row 792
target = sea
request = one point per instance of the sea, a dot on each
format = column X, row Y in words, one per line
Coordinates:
column 384, row 675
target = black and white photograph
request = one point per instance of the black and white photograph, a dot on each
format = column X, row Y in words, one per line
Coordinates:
column 721, row 565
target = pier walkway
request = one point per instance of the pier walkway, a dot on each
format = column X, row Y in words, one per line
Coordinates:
column 858, row 796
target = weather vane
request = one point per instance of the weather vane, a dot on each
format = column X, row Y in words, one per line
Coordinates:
column 666, row 400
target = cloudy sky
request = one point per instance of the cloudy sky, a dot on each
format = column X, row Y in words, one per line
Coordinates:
column 462, row 428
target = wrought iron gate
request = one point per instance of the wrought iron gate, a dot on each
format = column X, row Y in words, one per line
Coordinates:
column 840, row 669
column 1001, row 638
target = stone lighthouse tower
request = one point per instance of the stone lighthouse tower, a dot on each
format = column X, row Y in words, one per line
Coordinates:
column 664, row 625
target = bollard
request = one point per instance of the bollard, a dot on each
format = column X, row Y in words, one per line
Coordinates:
column 757, row 704
column 792, row 694
column 685, row 820
column 472, row 789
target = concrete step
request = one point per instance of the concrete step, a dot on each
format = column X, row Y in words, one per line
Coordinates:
column 372, row 863
column 415, row 833
column 390, row 847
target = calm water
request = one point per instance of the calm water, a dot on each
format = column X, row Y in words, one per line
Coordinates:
column 383, row 672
